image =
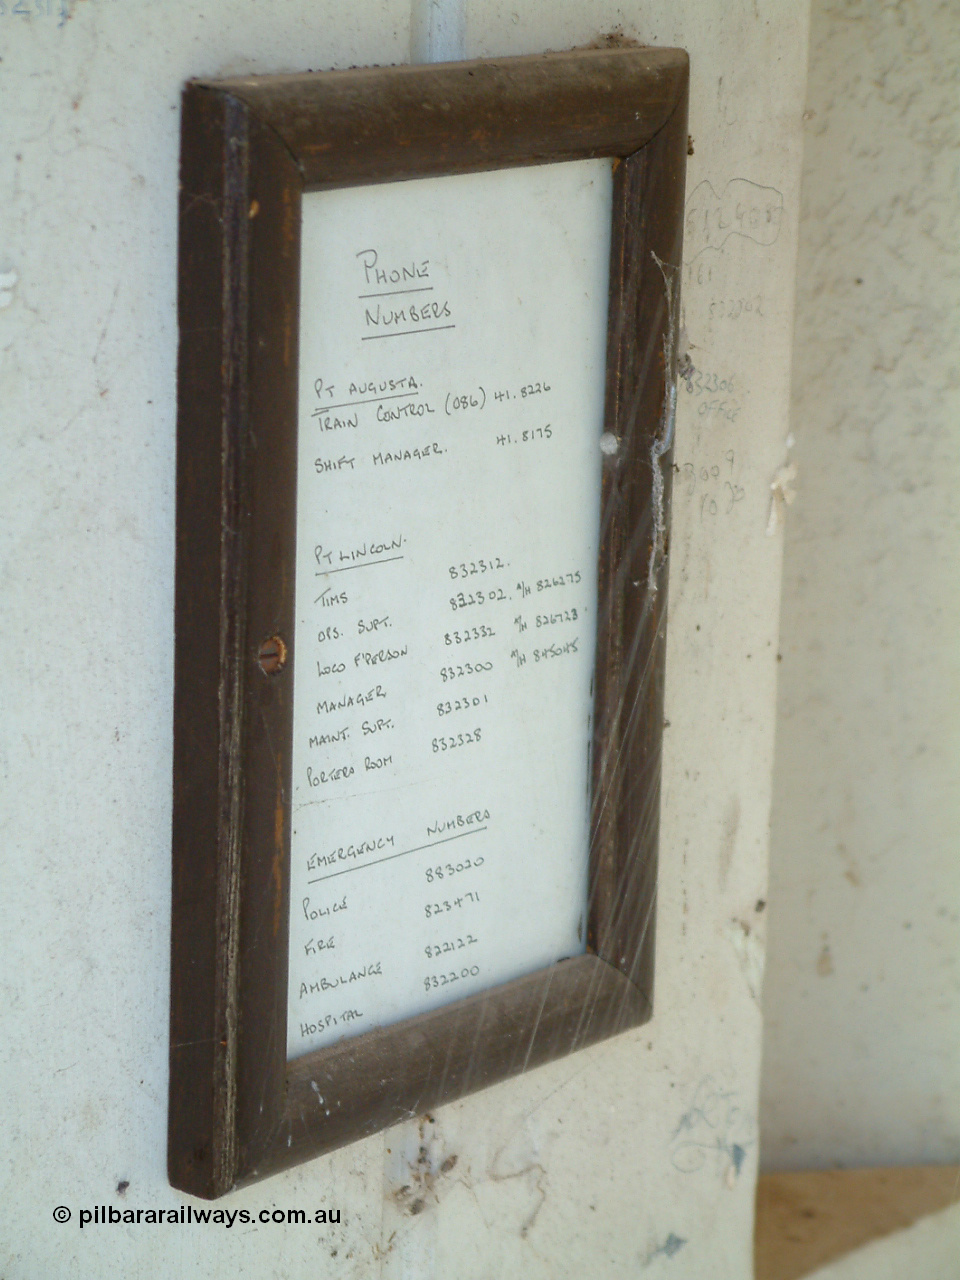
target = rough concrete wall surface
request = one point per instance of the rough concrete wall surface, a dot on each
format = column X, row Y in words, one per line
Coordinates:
column 638, row 1156
column 862, row 1001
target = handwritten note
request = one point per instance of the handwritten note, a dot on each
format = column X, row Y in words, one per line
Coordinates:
column 452, row 351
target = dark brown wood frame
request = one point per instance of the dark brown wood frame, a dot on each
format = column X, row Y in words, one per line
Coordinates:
column 239, row 1110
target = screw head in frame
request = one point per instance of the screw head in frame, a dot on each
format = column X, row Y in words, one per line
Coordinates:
column 272, row 655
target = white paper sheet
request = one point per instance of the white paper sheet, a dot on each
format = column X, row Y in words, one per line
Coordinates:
column 452, row 353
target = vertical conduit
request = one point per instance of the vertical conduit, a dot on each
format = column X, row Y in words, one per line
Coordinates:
column 438, row 30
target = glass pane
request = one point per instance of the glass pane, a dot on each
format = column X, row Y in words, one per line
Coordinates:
column 452, row 357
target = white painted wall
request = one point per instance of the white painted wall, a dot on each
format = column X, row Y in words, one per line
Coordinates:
column 862, row 999
column 639, row 1155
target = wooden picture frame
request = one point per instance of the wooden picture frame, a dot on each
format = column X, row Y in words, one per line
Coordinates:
column 239, row 1111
